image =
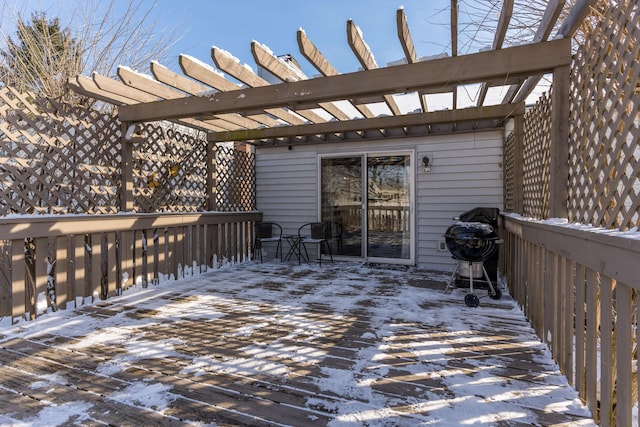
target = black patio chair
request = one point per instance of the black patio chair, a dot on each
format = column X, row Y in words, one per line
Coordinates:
column 268, row 232
column 314, row 233
column 334, row 234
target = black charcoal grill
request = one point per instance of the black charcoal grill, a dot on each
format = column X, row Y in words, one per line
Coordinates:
column 472, row 241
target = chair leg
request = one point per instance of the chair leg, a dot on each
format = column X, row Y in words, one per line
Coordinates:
column 330, row 254
column 257, row 247
column 306, row 254
column 328, row 250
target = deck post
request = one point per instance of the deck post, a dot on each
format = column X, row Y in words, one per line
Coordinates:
column 559, row 150
column 126, row 190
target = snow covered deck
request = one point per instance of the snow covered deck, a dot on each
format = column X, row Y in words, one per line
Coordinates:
column 282, row 344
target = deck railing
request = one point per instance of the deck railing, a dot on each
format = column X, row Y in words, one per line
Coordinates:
column 579, row 289
column 49, row 263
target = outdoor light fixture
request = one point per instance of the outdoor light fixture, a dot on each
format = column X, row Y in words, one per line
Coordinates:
column 426, row 164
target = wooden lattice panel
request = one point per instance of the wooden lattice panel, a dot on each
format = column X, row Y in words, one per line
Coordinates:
column 170, row 170
column 236, row 189
column 509, row 173
column 605, row 123
column 55, row 158
column 537, row 140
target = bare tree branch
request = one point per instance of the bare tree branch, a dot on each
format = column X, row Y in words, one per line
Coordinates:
column 47, row 50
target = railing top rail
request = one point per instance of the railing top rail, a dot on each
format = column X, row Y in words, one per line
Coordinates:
column 613, row 253
column 37, row 225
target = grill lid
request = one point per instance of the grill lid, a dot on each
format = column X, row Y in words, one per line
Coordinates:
column 471, row 241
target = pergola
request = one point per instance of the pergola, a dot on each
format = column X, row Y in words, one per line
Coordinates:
column 303, row 111
column 337, row 107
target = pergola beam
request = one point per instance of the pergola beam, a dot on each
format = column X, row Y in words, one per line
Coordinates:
column 495, row 112
column 571, row 24
column 501, row 31
column 170, row 78
column 364, row 55
column 146, row 83
column 275, row 66
column 404, row 35
column 173, row 79
column 112, row 91
column 86, row 86
column 209, row 81
column 551, row 15
column 227, row 63
column 322, row 64
column 153, row 87
column 313, row 55
column 519, row 61
column 205, row 74
column 454, row 45
column 576, row 17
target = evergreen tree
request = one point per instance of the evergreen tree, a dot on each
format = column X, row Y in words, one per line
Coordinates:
column 41, row 58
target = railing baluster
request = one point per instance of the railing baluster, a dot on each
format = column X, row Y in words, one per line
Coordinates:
column 18, row 279
column 580, row 332
column 607, row 353
column 63, row 290
column 41, row 295
column 96, row 266
column 112, row 269
column 172, row 263
column 591, row 351
column 624, row 345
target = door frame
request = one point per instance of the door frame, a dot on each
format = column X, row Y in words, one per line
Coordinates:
column 364, row 155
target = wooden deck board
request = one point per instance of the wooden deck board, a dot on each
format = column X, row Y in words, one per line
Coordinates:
column 269, row 352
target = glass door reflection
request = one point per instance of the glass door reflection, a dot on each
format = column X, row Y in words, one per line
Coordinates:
column 341, row 200
column 388, row 207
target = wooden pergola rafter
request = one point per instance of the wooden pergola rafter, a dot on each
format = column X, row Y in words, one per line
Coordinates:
column 337, row 107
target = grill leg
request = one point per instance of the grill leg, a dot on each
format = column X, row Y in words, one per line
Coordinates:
column 471, row 299
column 494, row 292
column 452, row 281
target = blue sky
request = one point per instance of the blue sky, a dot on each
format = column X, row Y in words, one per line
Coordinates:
column 232, row 25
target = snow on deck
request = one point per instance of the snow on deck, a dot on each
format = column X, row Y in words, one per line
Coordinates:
column 282, row 344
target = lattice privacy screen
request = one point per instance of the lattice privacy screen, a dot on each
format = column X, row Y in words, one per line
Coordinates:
column 60, row 159
column 509, row 171
column 605, row 123
column 236, row 190
column 170, row 170
column 55, row 158
column 535, row 174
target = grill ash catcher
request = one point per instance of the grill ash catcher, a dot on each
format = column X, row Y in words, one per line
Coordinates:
column 473, row 243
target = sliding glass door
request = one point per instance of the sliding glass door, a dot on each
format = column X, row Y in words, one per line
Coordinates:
column 388, row 209
column 341, row 202
column 367, row 197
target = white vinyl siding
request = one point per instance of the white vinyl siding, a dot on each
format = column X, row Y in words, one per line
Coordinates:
column 466, row 172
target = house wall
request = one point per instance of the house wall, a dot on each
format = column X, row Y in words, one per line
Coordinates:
column 466, row 172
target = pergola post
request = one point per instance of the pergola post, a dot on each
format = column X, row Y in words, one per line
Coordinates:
column 559, row 150
column 126, row 185
column 212, row 176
